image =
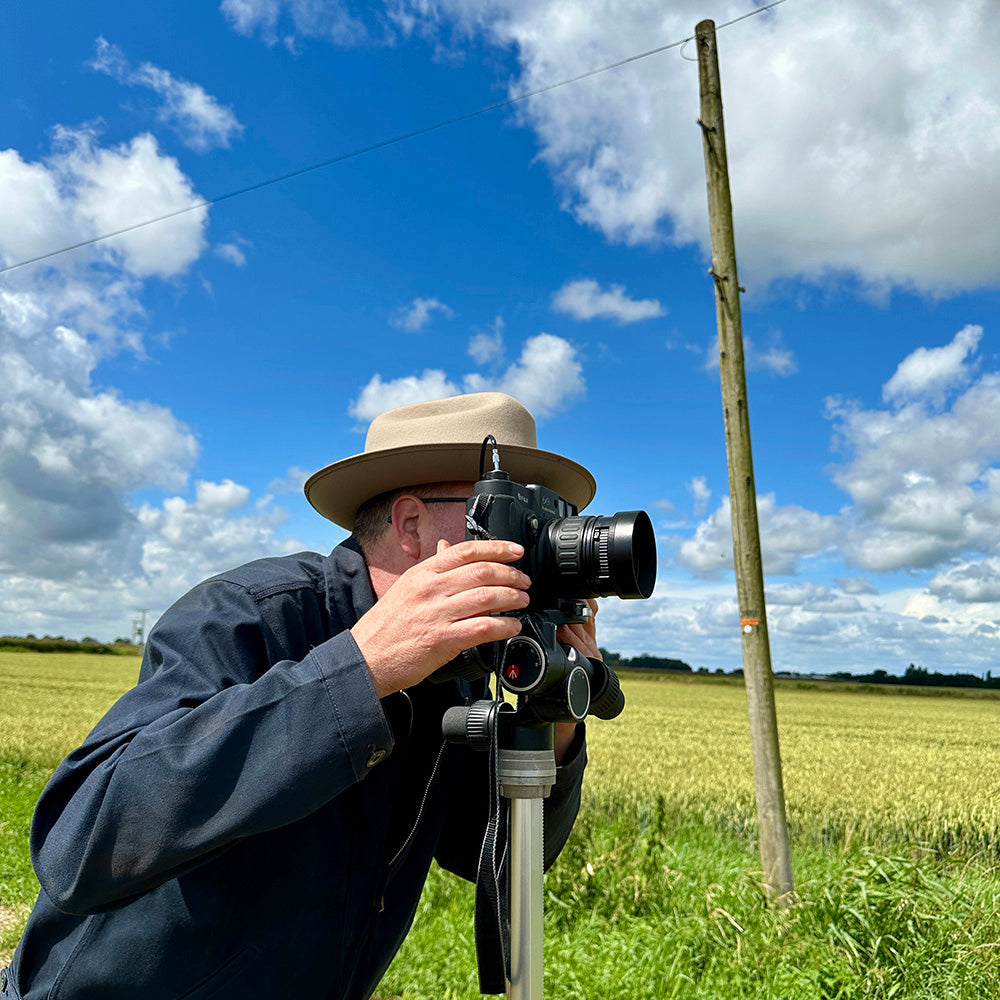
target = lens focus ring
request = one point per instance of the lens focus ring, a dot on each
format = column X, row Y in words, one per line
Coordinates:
column 568, row 548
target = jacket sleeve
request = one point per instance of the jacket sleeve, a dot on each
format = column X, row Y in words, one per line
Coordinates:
column 459, row 847
column 216, row 742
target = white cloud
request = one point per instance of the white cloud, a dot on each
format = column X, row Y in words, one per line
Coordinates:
column 324, row 19
column 930, row 372
column 234, row 251
column 378, row 396
column 698, row 488
column 585, row 299
column 861, row 138
column 199, row 119
column 417, row 314
column 77, row 554
column 220, row 498
column 923, row 478
column 775, row 358
column 812, row 628
column 788, row 535
column 293, row 481
column 186, row 541
column 544, row 378
column 84, row 190
column 486, row 347
column 969, row 582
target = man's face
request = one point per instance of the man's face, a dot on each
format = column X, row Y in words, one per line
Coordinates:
column 449, row 518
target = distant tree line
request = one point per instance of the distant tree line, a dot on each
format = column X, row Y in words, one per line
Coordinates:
column 644, row 661
column 922, row 677
column 57, row 644
column 914, row 676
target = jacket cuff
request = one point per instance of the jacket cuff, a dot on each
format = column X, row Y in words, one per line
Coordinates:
column 362, row 728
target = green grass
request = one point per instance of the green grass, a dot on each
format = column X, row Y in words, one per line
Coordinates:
column 644, row 904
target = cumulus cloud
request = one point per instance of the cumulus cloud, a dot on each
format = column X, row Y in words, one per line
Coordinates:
column 198, row 118
column 83, row 190
column 378, row 396
column 485, row 347
column 788, row 535
column 969, row 582
column 75, row 547
column 184, row 541
column 923, row 477
column 855, row 585
column 417, row 314
column 290, row 20
column 585, row 299
column 921, row 474
column 546, row 376
column 929, row 373
column 882, row 176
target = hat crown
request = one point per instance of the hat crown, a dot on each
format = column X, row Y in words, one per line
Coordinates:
column 457, row 420
column 440, row 441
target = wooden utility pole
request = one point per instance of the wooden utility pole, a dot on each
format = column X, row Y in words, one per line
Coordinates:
column 774, row 849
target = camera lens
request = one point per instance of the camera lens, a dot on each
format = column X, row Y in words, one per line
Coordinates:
column 600, row 556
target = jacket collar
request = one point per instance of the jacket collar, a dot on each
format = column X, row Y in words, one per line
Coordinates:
column 349, row 592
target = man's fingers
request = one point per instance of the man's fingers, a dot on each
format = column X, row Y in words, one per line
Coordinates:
column 486, row 601
column 480, row 630
column 453, row 556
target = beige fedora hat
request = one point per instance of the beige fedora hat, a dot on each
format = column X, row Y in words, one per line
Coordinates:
column 439, row 441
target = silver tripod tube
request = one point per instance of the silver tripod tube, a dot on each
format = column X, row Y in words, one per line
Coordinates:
column 526, row 777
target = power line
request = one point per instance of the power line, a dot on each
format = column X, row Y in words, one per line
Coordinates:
column 382, row 144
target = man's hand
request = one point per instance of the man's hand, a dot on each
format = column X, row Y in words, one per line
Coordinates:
column 440, row 607
column 582, row 635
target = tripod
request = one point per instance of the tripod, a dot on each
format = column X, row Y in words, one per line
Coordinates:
column 523, row 769
column 526, row 776
column 525, row 773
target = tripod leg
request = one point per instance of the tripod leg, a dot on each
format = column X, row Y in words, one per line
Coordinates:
column 526, row 910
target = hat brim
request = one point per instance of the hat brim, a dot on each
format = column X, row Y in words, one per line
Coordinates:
column 338, row 490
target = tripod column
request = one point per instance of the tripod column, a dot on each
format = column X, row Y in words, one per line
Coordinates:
column 527, row 938
column 526, row 777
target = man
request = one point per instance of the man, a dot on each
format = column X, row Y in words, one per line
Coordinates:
column 257, row 816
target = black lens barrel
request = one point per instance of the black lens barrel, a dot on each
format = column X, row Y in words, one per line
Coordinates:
column 600, row 556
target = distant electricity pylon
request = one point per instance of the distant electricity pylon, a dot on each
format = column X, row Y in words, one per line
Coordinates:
column 139, row 627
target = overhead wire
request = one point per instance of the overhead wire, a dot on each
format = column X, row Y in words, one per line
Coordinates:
column 381, row 144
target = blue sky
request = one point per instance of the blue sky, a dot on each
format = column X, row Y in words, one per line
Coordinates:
column 164, row 394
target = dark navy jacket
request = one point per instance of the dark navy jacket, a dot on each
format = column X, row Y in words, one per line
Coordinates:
column 250, row 819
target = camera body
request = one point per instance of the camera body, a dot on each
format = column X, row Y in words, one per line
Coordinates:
column 568, row 558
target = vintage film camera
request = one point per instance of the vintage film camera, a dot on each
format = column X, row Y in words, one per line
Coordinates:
column 568, row 557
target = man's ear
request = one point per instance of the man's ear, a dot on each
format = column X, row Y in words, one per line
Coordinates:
column 407, row 519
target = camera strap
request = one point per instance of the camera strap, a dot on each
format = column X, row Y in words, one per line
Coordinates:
column 475, row 518
column 492, row 893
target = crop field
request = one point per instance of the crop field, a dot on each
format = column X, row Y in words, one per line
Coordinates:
column 893, row 799
column 859, row 765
